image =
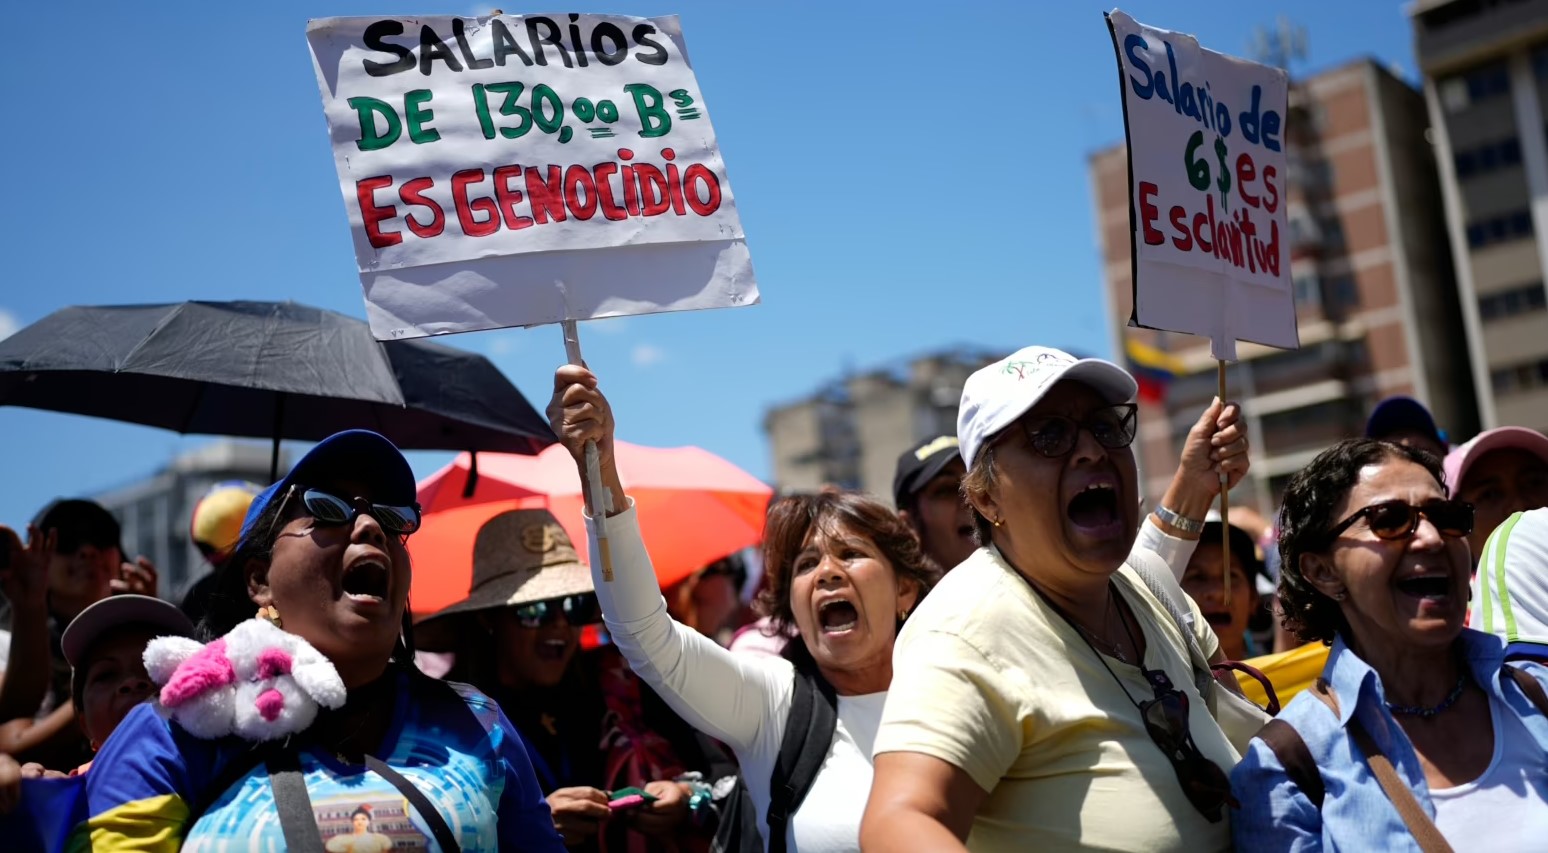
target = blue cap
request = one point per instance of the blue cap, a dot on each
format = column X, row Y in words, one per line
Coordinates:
column 359, row 454
column 1400, row 413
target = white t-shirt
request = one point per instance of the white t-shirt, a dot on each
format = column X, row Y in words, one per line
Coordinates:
column 742, row 700
column 1505, row 808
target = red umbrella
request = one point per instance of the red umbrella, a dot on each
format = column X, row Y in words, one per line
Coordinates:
column 694, row 508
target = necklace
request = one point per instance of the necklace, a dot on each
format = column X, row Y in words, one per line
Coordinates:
column 1094, row 640
column 1425, row 713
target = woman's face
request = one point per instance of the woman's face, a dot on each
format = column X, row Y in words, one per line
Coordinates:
column 1204, row 583
column 1408, row 592
column 362, row 824
column 1082, row 507
column 341, row 588
column 115, row 680
column 846, row 598
column 530, row 658
column 1501, row 483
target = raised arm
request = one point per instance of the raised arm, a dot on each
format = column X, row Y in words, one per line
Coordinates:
column 1216, row 444
column 25, row 583
column 739, row 699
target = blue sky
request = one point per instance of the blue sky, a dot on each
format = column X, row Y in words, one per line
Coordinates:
column 166, row 151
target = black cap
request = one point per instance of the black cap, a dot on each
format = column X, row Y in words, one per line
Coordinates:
column 1395, row 414
column 919, row 465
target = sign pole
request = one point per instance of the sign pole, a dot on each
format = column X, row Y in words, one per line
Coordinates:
column 601, row 501
column 1225, row 495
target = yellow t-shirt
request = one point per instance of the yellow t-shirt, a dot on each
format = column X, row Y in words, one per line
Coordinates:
column 990, row 679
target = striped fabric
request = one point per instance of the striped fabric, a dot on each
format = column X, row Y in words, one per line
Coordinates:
column 1510, row 589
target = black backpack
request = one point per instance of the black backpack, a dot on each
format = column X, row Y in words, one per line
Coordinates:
column 803, row 746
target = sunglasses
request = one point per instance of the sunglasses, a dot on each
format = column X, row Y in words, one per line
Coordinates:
column 577, row 609
column 1399, row 519
column 1055, row 435
column 334, row 511
column 1166, row 721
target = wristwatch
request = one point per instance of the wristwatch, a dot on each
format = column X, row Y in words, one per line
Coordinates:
column 1187, row 525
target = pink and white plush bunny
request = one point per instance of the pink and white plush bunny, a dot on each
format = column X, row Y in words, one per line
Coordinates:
column 257, row 682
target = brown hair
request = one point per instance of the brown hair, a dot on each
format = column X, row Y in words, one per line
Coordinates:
column 1306, row 516
column 978, row 481
column 791, row 521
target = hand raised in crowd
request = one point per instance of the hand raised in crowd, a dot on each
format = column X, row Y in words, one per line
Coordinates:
column 578, row 413
column 662, row 817
column 1216, row 444
column 24, row 578
column 138, row 577
column 578, row 813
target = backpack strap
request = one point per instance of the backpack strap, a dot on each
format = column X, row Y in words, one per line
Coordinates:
column 802, row 749
column 1424, row 831
column 292, row 803
column 1531, row 687
column 1291, row 750
column 427, row 810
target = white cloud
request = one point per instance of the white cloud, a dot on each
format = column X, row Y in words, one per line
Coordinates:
column 646, row 355
column 607, row 326
column 8, row 324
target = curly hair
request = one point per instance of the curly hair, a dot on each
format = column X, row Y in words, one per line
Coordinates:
column 229, row 602
column 1306, row 516
column 978, row 481
column 791, row 521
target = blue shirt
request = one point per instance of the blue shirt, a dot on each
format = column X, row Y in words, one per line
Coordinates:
column 1356, row 814
column 450, row 741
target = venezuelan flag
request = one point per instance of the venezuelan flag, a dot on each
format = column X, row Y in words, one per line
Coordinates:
column 1154, row 369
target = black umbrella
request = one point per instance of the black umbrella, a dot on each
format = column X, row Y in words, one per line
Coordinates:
column 274, row 370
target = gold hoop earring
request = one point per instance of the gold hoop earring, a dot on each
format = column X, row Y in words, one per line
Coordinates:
column 271, row 613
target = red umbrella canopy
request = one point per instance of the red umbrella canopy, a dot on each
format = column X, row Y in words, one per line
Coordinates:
column 694, row 508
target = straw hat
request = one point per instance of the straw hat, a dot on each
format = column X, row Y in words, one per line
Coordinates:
column 520, row 557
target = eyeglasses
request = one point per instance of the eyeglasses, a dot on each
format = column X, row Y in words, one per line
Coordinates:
column 1399, row 519
column 1166, row 721
column 1055, row 435
column 577, row 609
column 334, row 511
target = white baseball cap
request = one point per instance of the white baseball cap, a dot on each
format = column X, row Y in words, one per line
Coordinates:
column 996, row 395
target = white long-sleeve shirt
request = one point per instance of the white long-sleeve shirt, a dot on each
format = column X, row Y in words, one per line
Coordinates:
column 744, row 700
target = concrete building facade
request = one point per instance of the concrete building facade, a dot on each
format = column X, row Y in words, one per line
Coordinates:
column 155, row 512
column 850, row 432
column 1376, row 300
column 1485, row 67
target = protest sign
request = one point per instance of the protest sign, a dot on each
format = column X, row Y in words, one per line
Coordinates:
column 518, row 170
column 1210, row 237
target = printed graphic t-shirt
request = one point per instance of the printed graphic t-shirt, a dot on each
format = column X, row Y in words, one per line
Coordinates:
column 449, row 740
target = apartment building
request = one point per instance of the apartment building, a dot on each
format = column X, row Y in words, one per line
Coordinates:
column 1485, row 67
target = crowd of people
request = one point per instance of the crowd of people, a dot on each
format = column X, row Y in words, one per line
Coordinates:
column 1016, row 652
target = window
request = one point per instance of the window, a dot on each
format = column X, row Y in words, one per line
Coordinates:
column 1488, row 157
column 1509, row 303
column 1540, row 63
column 1487, row 81
column 1343, row 292
column 1520, row 377
column 1333, row 233
column 1308, row 289
column 1499, row 229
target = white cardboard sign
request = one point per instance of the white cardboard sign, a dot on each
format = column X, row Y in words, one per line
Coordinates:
column 519, row 170
column 1207, row 168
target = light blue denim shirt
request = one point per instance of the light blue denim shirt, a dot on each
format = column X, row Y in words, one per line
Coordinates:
column 1356, row 814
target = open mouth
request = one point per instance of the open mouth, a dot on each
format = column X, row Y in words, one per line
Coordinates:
column 1432, row 587
column 551, row 650
column 837, row 616
column 1219, row 618
column 1095, row 507
column 366, row 581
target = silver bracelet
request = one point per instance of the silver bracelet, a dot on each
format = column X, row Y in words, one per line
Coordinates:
column 1187, row 525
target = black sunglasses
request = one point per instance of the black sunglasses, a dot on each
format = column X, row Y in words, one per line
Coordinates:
column 1399, row 519
column 1055, row 435
column 333, row 511
column 1166, row 721
column 579, row 609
